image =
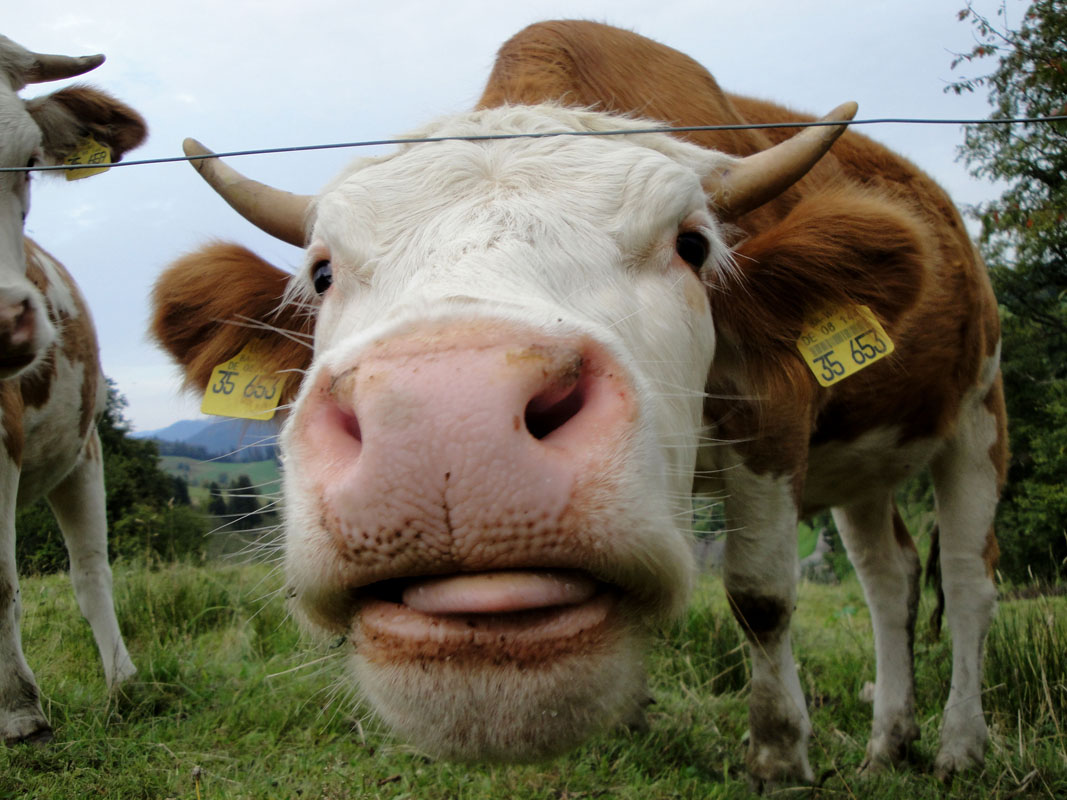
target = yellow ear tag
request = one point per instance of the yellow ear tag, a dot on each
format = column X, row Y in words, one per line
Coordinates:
column 839, row 342
column 90, row 152
column 244, row 387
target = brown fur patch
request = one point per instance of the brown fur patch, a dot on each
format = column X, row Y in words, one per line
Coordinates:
column 68, row 115
column 35, row 274
column 998, row 451
column 991, row 553
column 77, row 341
column 590, row 65
column 80, row 347
column 901, row 533
column 36, row 385
column 204, row 303
column 914, row 588
column 864, row 226
column 998, row 454
column 764, row 413
column 836, row 247
column 11, row 420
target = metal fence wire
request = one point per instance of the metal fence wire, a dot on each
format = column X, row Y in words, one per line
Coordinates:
column 553, row 134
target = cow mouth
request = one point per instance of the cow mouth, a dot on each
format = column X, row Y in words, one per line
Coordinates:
column 514, row 615
column 16, row 362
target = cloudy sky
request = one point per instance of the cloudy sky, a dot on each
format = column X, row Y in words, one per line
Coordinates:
column 241, row 74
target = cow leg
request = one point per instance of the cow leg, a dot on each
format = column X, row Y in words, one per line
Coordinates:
column 21, row 716
column 887, row 564
column 78, row 503
column 966, row 486
column 760, row 572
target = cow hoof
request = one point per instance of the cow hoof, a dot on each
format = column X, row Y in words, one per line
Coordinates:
column 889, row 749
column 773, row 786
column 123, row 673
column 873, row 765
column 768, row 773
column 951, row 761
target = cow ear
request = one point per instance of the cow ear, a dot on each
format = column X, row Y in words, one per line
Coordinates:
column 211, row 304
column 67, row 116
column 850, row 246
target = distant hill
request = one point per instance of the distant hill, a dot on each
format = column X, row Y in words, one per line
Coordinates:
column 240, row 439
column 176, row 432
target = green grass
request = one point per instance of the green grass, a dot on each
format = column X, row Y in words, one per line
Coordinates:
column 229, row 703
column 222, row 472
column 807, row 537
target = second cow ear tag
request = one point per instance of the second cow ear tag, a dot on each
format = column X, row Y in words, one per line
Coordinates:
column 93, row 155
column 244, row 387
column 839, row 342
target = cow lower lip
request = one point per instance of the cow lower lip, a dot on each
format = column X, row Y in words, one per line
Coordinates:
column 385, row 630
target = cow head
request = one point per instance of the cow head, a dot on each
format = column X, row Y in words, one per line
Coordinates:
column 489, row 461
column 44, row 130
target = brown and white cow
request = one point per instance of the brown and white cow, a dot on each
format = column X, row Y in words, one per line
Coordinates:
column 529, row 352
column 51, row 387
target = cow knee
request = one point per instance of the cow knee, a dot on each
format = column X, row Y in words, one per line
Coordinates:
column 761, row 617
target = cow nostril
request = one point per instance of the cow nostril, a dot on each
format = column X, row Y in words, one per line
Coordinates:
column 340, row 397
column 350, row 423
column 552, row 409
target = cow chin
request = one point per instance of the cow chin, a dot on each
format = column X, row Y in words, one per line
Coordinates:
column 510, row 697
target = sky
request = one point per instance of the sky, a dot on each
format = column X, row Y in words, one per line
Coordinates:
column 275, row 73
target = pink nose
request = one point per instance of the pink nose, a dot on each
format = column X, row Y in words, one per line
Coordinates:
column 452, row 449
column 18, row 326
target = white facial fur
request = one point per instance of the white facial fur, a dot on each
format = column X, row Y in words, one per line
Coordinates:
column 569, row 237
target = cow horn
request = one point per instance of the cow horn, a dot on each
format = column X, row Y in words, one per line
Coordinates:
column 47, row 67
column 756, row 179
column 281, row 214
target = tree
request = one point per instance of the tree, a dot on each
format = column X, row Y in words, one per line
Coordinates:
column 244, row 504
column 1024, row 241
column 180, row 490
column 131, row 466
column 148, row 512
column 216, row 506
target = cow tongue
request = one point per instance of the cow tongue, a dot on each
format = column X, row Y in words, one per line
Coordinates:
column 498, row 592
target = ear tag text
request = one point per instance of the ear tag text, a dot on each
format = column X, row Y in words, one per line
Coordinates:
column 839, row 342
column 94, row 155
column 244, row 387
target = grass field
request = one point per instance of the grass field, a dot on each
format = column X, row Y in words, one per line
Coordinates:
column 223, row 472
column 264, row 475
column 229, row 703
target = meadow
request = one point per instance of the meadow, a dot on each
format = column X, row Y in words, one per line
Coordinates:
column 198, row 473
column 231, row 702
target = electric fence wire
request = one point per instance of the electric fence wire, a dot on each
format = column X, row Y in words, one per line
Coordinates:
column 553, row 134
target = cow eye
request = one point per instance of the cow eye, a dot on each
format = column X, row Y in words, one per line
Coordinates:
column 693, row 248
column 322, row 276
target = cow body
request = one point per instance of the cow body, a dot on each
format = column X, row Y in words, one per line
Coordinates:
column 51, row 389
column 527, row 355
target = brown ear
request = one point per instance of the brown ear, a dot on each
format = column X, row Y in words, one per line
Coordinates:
column 836, row 247
column 207, row 306
column 67, row 116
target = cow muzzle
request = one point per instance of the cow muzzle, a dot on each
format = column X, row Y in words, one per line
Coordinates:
column 24, row 332
column 453, row 469
column 465, row 503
